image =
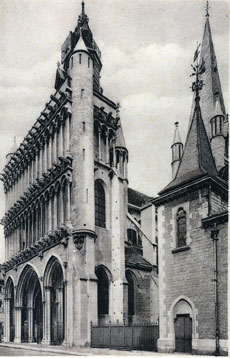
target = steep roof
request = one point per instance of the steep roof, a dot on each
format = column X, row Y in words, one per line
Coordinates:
column 133, row 257
column 120, row 139
column 176, row 137
column 197, row 159
column 136, row 198
column 212, row 91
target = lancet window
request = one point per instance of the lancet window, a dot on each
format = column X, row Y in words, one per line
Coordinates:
column 181, row 227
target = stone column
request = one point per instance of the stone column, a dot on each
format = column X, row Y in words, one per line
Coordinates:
column 7, row 320
column 61, row 209
column 46, row 317
column 50, row 153
column 30, row 324
column 55, row 147
column 99, row 144
column 55, row 211
column 68, row 204
column 45, row 157
column 65, row 312
column 67, row 139
column 18, row 324
column 60, row 144
column 49, row 214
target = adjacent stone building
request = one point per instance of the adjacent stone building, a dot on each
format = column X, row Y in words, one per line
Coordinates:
column 192, row 223
column 77, row 249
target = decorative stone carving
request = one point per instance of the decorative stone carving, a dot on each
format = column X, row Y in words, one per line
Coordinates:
column 78, row 240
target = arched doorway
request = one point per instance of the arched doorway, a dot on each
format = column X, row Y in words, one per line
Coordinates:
column 57, row 303
column 30, row 297
column 10, row 302
column 102, row 294
column 183, row 326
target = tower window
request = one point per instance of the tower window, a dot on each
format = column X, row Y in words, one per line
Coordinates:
column 181, row 227
column 80, row 58
column 217, row 125
column 99, row 204
column 88, row 62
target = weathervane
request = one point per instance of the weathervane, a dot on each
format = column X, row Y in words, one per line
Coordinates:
column 198, row 70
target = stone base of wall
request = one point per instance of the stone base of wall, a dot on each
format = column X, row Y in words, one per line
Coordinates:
column 199, row 346
column 208, row 346
column 165, row 345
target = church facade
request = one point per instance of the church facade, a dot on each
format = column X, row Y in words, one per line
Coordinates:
column 193, row 222
column 77, row 251
column 84, row 248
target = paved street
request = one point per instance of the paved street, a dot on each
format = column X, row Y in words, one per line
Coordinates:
column 5, row 351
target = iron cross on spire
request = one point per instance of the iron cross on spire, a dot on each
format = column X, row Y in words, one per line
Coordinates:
column 198, row 70
column 207, row 7
column 83, row 8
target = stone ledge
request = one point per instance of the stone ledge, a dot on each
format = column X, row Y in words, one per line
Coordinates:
column 179, row 249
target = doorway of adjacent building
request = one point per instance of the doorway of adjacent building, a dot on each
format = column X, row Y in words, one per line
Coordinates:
column 183, row 333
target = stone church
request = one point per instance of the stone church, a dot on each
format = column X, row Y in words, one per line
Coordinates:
column 78, row 245
column 192, row 223
column 84, row 248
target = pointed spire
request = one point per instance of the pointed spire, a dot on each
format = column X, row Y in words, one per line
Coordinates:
column 176, row 137
column 197, row 159
column 210, row 77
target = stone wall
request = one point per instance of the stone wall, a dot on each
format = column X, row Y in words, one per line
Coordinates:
column 189, row 273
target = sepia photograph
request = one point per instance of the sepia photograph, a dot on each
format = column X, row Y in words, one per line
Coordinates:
column 114, row 177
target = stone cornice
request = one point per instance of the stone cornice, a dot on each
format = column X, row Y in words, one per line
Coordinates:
column 215, row 183
column 215, row 218
column 59, row 236
column 42, row 184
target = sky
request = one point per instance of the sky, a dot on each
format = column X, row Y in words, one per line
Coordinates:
column 147, row 49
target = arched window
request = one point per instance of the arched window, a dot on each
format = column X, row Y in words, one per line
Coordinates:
column 102, row 291
column 131, row 294
column 181, row 227
column 99, row 204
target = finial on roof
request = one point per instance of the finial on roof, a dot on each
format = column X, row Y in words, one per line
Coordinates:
column 83, row 8
column 207, row 7
column 176, row 124
column 198, row 70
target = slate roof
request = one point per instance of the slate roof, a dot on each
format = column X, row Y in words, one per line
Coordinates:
column 120, row 140
column 133, row 257
column 136, row 198
column 197, row 159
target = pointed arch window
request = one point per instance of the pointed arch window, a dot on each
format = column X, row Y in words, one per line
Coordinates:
column 102, row 291
column 181, row 227
column 131, row 293
column 99, row 205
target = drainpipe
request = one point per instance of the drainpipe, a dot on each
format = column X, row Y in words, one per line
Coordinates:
column 214, row 236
